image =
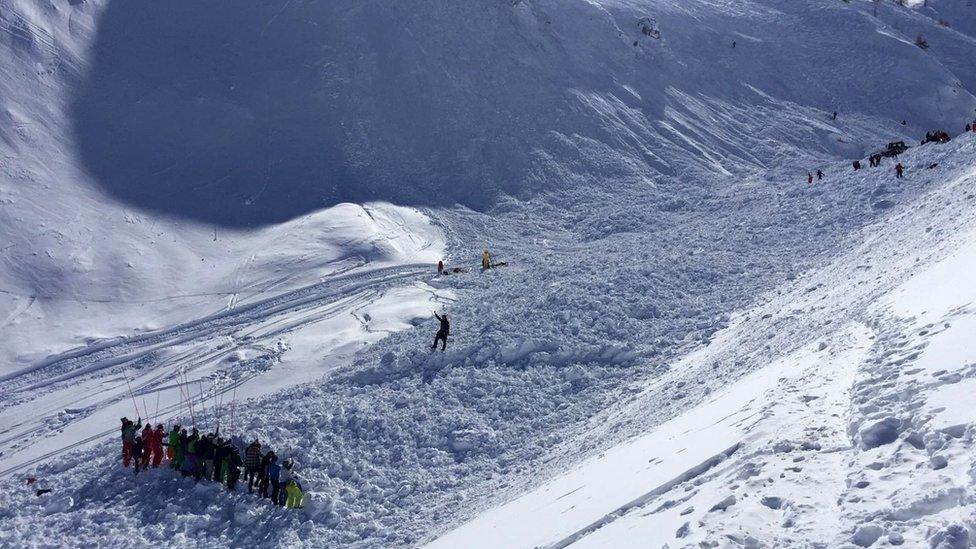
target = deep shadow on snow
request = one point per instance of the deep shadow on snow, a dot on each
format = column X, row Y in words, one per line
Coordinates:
column 246, row 114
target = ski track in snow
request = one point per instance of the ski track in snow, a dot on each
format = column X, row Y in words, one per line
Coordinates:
column 154, row 361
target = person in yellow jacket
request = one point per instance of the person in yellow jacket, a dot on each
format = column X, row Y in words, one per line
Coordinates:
column 295, row 498
column 486, row 259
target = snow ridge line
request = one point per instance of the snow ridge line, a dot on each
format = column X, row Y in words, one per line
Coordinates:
column 643, row 500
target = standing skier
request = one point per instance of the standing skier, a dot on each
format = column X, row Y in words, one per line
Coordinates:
column 442, row 333
column 898, row 170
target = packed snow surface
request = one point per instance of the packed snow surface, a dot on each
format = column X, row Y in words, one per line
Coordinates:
column 229, row 213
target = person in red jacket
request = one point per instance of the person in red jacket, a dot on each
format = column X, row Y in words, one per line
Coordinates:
column 147, row 436
column 809, row 178
column 157, row 445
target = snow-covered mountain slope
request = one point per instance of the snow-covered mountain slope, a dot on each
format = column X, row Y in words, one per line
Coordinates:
column 173, row 187
column 778, row 404
column 838, row 411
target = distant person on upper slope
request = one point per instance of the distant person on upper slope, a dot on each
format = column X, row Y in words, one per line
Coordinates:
column 809, row 178
column 442, row 333
column 820, row 175
column 485, row 259
column 898, row 170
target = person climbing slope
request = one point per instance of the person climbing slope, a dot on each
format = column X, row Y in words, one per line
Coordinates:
column 820, row 175
column 442, row 332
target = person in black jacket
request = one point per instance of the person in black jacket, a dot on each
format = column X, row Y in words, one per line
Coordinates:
column 265, row 481
column 219, row 453
column 138, row 448
column 442, row 333
column 204, row 457
column 234, row 463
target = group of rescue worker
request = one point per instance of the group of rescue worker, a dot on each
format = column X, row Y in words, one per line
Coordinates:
column 875, row 159
column 211, row 457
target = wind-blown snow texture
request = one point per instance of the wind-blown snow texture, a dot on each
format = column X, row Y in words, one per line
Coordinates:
column 668, row 266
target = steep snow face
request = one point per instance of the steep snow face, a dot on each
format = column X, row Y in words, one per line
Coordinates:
column 249, row 115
